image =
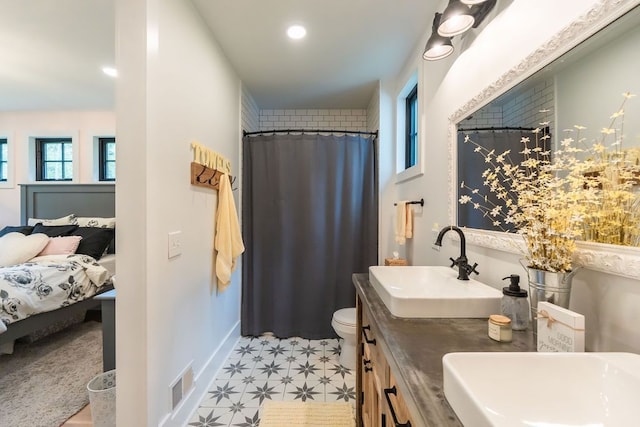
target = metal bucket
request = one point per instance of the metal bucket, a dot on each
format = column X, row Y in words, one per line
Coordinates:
column 550, row 287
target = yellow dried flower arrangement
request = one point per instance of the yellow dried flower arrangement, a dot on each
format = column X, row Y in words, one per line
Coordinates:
column 554, row 197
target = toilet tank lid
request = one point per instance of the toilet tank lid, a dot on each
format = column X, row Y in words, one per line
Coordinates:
column 346, row 316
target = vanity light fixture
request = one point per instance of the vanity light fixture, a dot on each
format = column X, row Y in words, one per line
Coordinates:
column 437, row 46
column 456, row 19
column 467, row 13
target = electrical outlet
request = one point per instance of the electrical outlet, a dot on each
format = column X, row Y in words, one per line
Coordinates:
column 174, row 244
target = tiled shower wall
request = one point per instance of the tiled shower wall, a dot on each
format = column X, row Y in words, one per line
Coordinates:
column 524, row 109
column 521, row 111
column 336, row 119
column 489, row 116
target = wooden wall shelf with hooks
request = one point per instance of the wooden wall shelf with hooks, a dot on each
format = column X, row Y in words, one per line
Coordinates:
column 204, row 176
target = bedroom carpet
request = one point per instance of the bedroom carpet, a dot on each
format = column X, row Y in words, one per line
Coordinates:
column 42, row 384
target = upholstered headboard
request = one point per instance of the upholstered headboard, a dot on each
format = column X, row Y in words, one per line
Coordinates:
column 57, row 200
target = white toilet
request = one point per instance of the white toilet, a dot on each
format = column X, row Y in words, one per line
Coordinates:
column 344, row 323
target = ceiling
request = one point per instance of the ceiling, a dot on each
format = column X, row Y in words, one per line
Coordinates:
column 52, row 54
column 54, row 50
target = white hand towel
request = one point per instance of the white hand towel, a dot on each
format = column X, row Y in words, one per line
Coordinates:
column 401, row 222
column 228, row 240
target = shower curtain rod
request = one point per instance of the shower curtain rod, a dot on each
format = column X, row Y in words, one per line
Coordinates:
column 493, row 128
column 274, row 131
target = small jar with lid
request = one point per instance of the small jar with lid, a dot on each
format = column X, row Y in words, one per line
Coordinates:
column 500, row 328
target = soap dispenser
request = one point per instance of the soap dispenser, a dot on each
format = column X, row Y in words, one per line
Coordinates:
column 514, row 304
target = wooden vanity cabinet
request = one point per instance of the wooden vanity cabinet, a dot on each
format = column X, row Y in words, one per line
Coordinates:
column 395, row 406
column 374, row 380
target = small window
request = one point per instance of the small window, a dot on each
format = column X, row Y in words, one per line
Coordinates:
column 107, row 159
column 411, row 128
column 54, row 159
column 4, row 155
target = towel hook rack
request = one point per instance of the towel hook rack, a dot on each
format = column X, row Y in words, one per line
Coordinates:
column 414, row 202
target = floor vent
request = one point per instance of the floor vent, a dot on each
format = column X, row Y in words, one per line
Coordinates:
column 181, row 386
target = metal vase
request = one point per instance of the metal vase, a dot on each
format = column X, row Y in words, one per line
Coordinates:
column 550, row 287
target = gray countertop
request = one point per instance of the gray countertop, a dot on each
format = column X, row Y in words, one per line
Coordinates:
column 414, row 350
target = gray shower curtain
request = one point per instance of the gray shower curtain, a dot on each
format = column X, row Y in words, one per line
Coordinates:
column 309, row 213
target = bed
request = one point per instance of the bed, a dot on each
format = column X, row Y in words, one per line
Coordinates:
column 55, row 201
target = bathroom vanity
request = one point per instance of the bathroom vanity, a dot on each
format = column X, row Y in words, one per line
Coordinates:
column 399, row 361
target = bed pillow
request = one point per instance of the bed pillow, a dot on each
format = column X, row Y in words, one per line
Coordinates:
column 65, row 220
column 16, row 248
column 54, row 230
column 97, row 221
column 87, row 221
column 24, row 229
column 65, row 245
column 95, row 240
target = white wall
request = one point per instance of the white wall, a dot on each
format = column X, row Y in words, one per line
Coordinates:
column 20, row 126
column 610, row 303
column 176, row 86
column 608, row 72
column 250, row 112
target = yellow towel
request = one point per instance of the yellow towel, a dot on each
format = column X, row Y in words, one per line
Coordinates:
column 404, row 222
column 228, row 240
column 409, row 222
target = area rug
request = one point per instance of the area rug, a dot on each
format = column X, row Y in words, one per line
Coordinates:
column 43, row 383
column 320, row 414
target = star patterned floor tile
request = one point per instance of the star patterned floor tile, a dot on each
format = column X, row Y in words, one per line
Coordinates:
column 257, row 393
column 223, row 392
column 211, row 417
column 345, row 393
column 250, row 417
column 267, row 368
column 304, row 391
column 235, row 369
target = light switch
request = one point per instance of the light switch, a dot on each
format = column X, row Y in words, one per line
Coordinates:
column 174, row 244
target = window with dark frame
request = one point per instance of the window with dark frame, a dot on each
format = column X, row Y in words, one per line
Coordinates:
column 107, row 159
column 4, row 155
column 54, row 159
column 411, row 128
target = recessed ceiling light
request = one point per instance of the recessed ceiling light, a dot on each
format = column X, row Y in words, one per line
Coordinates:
column 296, row 32
column 110, row 71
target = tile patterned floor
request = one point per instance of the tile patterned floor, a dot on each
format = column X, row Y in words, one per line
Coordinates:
column 269, row 368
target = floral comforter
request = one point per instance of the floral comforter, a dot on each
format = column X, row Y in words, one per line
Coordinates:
column 47, row 283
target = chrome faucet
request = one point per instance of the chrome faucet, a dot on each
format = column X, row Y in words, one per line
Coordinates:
column 464, row 269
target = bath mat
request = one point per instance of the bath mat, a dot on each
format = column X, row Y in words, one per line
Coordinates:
column 320, row 414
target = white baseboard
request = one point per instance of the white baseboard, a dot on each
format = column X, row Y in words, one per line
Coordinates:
column 202, row 381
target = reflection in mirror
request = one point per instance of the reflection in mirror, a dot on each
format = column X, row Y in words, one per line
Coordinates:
column 582, row 87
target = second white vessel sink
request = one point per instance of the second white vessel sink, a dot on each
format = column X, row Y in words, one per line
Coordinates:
column 432, row 292
column 543, row 389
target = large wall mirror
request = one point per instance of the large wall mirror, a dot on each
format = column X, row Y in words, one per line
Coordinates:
column 596, row 61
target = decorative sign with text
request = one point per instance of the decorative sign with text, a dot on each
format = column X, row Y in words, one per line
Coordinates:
column 559, row 329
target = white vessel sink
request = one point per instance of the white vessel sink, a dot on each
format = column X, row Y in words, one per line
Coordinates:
column 432, row 291
column 543, row 389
